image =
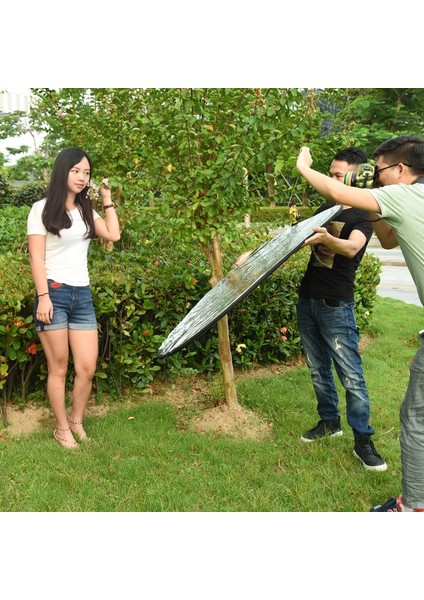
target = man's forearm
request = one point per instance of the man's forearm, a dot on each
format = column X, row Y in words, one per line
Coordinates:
column 340, row 193
column 332, row 189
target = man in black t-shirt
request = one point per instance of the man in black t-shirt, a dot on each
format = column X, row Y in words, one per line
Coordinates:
column 327, row 325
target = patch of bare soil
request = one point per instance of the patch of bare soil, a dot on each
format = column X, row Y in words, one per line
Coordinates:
column 26, row 420
column 199, row 396
column 183, row 391
column 195, row 398
column 32, row 418
column 190, row 395
column 364, row 342
column 236, row 422
column 270, row 370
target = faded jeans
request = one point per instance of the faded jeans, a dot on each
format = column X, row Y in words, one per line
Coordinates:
column 412, row 433
column 330, row 335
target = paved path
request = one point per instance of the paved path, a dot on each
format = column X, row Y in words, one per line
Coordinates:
column 396, row 280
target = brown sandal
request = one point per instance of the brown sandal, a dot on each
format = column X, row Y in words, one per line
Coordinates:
column 82, row 436
column 68, row 444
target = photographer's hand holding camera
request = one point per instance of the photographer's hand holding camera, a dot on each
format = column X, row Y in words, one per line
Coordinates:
column 358, row 195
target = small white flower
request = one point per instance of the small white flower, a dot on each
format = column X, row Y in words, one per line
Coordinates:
column 93, row 191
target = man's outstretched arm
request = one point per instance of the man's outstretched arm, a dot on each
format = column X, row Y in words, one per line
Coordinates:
column 333, row 189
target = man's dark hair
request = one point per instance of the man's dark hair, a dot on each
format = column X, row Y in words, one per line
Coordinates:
column 352, row 155
column 406, row 149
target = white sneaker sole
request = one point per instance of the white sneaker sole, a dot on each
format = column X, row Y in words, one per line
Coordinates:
column 382, row 467
column 335, row 434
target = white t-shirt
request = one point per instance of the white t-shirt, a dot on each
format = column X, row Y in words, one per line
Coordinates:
column 66, row 256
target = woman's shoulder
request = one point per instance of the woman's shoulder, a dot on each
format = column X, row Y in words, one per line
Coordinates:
column 38, row 205
column 35, row 214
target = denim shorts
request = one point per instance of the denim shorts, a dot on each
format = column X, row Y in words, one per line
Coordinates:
column 72, row 308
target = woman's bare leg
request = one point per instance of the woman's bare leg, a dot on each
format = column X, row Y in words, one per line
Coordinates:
column 56, row 348
column 84, row 348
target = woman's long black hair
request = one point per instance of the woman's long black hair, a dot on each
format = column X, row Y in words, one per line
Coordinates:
column 55, row 216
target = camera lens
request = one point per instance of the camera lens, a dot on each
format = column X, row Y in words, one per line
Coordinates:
column 350, row 178
column 362, row 178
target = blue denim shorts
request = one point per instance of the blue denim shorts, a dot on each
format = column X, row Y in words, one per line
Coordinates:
column 72, row 308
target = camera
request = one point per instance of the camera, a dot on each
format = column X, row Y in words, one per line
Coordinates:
column 362, row 178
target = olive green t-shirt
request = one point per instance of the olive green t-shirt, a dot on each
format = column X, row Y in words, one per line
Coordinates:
column 402, row 207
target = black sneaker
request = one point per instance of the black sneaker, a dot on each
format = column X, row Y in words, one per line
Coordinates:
column 389, row 506
column 323, row 429
column 367, row 454
column 394, row 505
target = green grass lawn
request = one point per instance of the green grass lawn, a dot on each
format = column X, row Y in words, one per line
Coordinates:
column 146, row 457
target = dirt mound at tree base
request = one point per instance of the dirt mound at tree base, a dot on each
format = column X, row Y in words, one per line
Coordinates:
column 234, row 421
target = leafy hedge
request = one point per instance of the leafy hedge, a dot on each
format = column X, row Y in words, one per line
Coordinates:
column 141, row 290
column 13, row 228
column 275, row 215
column 24, row 195
column 4, row 190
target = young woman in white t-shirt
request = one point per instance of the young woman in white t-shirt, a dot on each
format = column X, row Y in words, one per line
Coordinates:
column 60, row 228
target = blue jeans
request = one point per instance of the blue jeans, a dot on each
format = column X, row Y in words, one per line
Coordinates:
column 330, row 335
column 412, row 433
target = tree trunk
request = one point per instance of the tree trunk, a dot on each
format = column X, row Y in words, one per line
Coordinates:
column 215, row 259
column 246, row 185
column 270, row 184
column 4, row 408
column 227, row 362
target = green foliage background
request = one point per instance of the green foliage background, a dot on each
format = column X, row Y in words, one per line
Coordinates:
column 186, row 165
column 141, row 290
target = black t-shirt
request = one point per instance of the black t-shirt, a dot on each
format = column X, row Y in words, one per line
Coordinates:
column 334, row 276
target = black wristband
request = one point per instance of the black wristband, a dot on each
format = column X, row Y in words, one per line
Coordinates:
column 108, row 206
column 45, row 294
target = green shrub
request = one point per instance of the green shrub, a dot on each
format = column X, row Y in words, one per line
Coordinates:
column 19, row 344
column 5, row 191
column 279, row 215
column 142, row 290
column 29, row 193
column 13, row 228
column 366, row 282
